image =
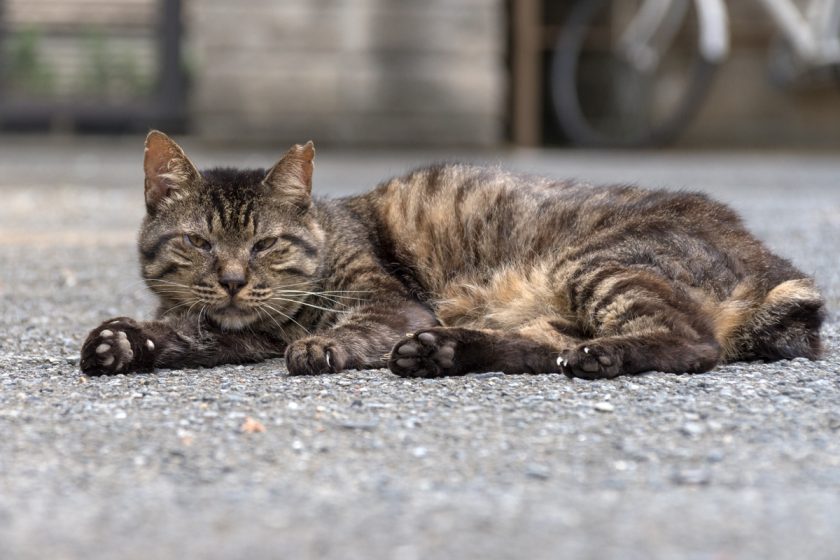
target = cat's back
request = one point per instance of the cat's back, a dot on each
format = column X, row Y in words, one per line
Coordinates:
column 469, row 201
column 453, row 207
column 466, row 188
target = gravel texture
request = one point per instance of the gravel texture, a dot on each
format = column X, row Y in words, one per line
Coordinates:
column 246, row 462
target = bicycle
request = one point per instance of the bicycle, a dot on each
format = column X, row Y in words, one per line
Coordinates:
column 634, row 72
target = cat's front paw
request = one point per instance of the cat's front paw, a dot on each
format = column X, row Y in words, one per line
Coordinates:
column 314, row 355
column 117, row 346
column 429, row 353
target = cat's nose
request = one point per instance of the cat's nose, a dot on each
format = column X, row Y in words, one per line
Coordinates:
column 232, row 283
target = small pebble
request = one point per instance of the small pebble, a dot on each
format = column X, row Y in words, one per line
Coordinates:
column 364, row 425
column 604, row 407
column 715, row 456
column 540, row 472
column 692, row 428
column 487, row 375
column 691, row 477
column 252, row 426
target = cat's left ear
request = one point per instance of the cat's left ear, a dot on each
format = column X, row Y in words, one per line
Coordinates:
column 291, row 177
column 168, row 169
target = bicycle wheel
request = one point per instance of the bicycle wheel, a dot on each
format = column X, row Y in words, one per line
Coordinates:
column 608, row 90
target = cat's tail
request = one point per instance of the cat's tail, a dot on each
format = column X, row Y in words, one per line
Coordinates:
column 782, row 323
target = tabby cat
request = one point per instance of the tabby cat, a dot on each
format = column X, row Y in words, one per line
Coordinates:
column 447, row 270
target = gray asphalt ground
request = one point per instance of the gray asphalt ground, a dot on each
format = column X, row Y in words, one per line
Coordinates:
column 742, row 462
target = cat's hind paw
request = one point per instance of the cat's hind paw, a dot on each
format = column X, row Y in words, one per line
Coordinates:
column 428, row 353
column 117, row 346
column 591, row 361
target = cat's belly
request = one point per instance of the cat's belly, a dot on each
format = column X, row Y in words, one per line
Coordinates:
column 511, row 297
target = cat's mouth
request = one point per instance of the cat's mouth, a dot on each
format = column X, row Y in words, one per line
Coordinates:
column 232, row 317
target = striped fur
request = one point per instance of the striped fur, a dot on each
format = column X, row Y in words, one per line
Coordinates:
column 452, row 269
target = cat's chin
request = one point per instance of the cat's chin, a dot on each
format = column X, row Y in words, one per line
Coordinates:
column 230, row 319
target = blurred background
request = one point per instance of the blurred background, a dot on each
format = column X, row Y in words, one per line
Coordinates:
column 366, row 466
column 480, row 73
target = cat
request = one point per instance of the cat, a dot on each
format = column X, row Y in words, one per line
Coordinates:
column 447, row 270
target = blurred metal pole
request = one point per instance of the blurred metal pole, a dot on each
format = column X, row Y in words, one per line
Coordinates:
column 527, row 73
column 172, row 84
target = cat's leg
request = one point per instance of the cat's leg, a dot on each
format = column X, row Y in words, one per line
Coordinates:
column 642, row 322
column 444, row 351
column 360, row 339
column 783, row 323
column 123, row 345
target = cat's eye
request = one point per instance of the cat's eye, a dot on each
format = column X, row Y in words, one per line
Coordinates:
column 197, row 241
column 264, row 244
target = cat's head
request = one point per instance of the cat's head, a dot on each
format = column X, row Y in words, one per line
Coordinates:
column 222, row 242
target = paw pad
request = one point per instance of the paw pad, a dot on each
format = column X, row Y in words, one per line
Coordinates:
column 110, row 350
column 591, row 362
column 426, row 354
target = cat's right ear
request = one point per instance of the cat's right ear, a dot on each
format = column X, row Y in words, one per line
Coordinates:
column 168, row 169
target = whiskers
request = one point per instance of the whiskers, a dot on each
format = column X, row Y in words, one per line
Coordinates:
column 168, row 289
column 201, row 312
column 331, row 301
column 265, row 306
column 288, row 307
column 261, row 310
column 192, row 302
column 164, row 288
column 280, row 304
column 186, row 297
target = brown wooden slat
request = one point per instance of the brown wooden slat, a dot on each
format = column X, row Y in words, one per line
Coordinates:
column 527, row 76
